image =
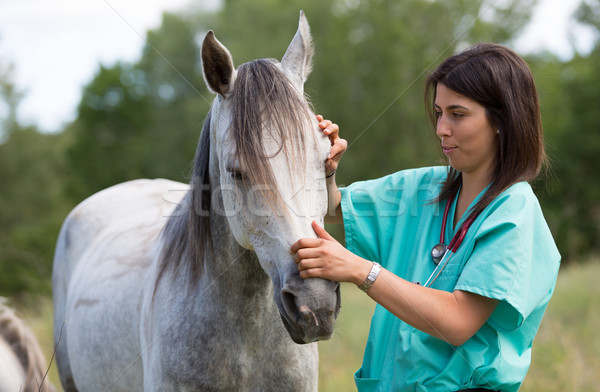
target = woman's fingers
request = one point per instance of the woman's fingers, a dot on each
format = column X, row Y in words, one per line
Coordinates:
column 305, row 243
column 338, row 148
column 314, row 272
column 338, row 145
column 305, row 264
column 321, row 232
column 329, row 128
column 308, row 254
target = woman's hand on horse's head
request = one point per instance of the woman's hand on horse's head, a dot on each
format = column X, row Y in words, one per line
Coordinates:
column 338, row 145
column 326, row 258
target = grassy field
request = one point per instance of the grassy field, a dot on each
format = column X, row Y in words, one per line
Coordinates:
column 565, row 356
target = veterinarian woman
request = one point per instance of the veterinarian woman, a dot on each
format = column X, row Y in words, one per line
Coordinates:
column 459, row 258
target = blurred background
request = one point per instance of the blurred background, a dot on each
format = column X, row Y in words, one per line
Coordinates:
column 98, row 92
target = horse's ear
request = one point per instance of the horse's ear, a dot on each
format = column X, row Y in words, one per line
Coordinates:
column 217, row 65
column 297, row 58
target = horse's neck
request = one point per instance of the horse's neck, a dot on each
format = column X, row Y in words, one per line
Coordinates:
column 233, row 269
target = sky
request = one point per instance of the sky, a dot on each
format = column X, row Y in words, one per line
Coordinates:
column 55, row 47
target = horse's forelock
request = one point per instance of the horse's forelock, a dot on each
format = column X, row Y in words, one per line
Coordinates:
column 264, row 100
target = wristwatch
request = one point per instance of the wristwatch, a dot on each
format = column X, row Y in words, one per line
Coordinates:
column 373, row 274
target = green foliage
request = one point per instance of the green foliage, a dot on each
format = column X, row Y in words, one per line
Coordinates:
column 572, row 127
column 32, row 204
column 113, row 116
column 575, row 135
column 141, row 120
column 9, row 101
column 32, row 172
column 589, row 13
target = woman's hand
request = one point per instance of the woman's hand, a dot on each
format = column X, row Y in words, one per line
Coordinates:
column 326, row 258
column 338, row 145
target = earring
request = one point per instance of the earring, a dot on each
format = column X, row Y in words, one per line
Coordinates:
column 498, row 131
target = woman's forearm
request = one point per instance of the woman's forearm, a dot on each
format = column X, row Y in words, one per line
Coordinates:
column 451, row 316
column 334, row 198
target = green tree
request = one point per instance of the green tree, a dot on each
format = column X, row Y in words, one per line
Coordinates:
column 141, row 120
column 180, row 100
column 107, row 134
column 575, row 136
column 572, row 127
column 588, row 13
column 32, row 204
column 9, row 101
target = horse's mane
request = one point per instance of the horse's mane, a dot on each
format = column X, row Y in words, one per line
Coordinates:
column 26, row 348
column 262, row 96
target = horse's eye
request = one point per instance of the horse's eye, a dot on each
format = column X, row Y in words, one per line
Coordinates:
column 236, row 174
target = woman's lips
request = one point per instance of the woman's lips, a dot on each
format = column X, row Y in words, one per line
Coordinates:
column 448, row 150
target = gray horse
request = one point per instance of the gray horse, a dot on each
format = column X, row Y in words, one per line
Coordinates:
column 22, row 363
column 160, row 286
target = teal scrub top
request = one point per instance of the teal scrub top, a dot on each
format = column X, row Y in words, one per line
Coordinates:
column 508, row 254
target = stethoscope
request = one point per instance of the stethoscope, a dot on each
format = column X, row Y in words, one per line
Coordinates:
column 439, row 251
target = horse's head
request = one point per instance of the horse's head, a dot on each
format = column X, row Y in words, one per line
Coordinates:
column 267, row 154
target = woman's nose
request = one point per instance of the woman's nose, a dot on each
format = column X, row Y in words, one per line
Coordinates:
column 442, row 129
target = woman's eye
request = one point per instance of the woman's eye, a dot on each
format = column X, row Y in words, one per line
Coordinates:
column 458, row 115
column 438, row 114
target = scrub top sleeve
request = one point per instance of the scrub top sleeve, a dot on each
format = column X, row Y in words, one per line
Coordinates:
column 361, row 230
column 514, row 260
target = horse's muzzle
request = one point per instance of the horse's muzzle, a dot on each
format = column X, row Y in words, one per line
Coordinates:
column 310, row 308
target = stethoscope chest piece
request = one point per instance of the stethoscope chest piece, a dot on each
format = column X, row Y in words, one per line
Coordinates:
column 438, row 252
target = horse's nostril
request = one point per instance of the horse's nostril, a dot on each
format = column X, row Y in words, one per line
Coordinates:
column 289, row 304
column 309, row 316
column 301, row 314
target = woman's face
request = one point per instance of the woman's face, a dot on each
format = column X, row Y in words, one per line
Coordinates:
column 469, row 140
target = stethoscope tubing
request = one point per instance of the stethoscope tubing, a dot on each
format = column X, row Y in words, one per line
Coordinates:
column 438, row 269
column 455, row 242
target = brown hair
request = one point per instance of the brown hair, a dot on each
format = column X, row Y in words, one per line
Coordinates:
column 498, row 79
